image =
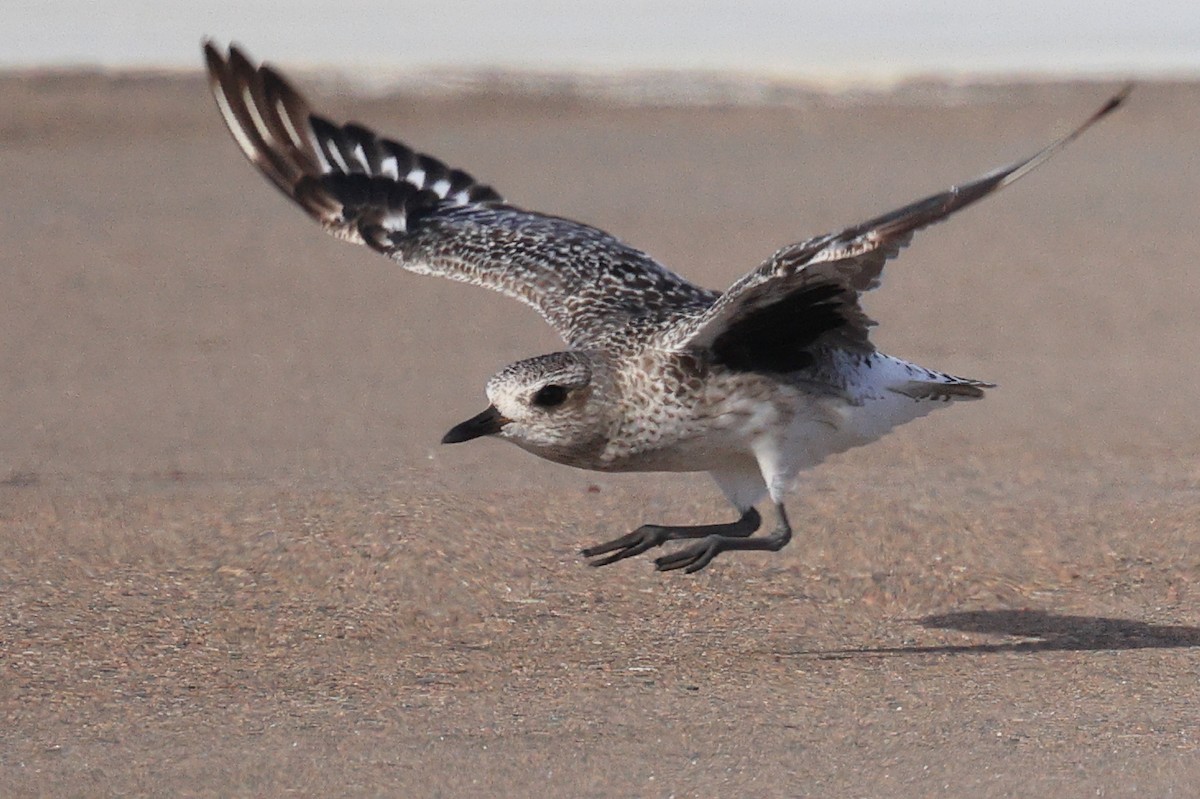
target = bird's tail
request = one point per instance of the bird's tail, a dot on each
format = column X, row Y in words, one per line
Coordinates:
column 941, row 387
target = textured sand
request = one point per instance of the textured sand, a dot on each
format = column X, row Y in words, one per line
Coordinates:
column 235, row 561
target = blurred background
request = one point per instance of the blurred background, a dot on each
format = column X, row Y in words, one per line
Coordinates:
column 820, row 40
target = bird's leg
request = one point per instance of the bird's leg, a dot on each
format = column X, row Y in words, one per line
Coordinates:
column 698, row 555
column 649, row 536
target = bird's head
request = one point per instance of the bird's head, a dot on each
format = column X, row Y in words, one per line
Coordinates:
column 553, row 406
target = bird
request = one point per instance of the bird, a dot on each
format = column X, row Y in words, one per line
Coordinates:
column 752, row 385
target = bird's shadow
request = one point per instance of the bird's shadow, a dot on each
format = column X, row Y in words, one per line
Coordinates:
column 1038, row 630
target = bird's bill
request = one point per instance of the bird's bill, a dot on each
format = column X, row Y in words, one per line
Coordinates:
column 487, row 423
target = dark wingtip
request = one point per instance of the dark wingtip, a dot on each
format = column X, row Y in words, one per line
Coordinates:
column 1116, row 100
column 214, row 52
column 212, row 56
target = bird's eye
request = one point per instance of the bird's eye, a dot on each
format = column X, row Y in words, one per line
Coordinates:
column 550, row 396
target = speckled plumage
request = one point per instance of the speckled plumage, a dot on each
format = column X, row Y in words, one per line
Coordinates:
column 751, row 385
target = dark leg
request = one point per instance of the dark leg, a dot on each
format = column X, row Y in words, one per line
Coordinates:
column 698, row 555
column 649, row 536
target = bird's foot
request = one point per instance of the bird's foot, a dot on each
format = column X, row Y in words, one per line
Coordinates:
column 697, row 556
column 649, row 536
column 645, row 537
column 694, row 558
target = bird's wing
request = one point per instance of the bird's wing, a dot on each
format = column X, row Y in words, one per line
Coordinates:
column 810, row 291
column 436, row 220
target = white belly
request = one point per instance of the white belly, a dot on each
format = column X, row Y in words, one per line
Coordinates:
column 872, row 404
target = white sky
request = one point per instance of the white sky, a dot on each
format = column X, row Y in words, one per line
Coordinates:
column 798, row 38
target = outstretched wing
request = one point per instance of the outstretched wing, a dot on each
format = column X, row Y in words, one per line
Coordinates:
column 436, row 220
column 810, row 291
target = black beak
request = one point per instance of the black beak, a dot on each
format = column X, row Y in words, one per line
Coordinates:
column 485, row 424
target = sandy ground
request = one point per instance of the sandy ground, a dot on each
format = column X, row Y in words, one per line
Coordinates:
column 235, row 561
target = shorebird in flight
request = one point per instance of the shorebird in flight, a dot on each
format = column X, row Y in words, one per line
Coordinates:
column 751, row 385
